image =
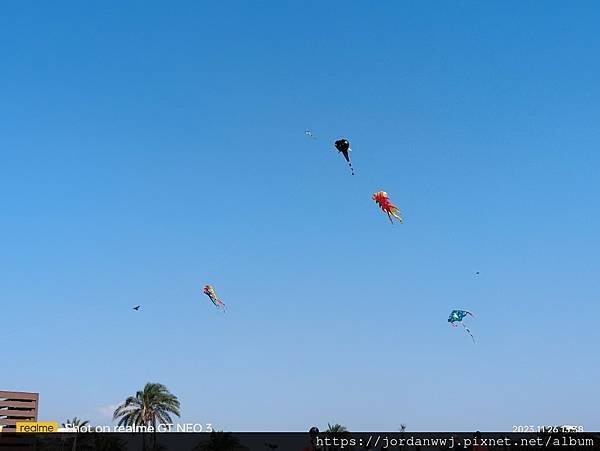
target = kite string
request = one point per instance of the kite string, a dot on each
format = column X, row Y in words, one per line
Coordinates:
column 468, row 331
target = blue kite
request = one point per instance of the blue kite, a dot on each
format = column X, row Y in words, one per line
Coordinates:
column 456, row 317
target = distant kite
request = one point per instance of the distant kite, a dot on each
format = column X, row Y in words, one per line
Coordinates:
column 456, row 318
column 212, row 294
column 382, row 199
column 309, row 134
column 136, row 308
column 343, row 147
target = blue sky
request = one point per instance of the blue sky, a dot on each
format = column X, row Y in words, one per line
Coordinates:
column 149, row 148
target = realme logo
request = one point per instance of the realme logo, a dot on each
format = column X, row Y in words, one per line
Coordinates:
column 34, row 426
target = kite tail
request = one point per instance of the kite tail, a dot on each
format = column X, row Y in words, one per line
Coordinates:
column 347, row 157
column 390, row 218
column 469, row 332
column 396, row 213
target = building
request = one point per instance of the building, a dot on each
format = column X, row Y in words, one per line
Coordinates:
column 17, row 406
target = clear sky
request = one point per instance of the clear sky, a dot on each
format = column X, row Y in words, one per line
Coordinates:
column 148, row 148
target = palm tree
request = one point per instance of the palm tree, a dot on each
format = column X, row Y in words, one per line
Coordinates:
column 149, row 407
column 336, row 428
column 76, row 423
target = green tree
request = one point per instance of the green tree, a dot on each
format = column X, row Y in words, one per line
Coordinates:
column 336, row 428
column 76, row 423
column 151, row 406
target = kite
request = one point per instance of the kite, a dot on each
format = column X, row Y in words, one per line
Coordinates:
column 456, row 317
column 309, row 134
column 136, row 308
column 382, row 199
column 343, row 146
column 212, row 294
